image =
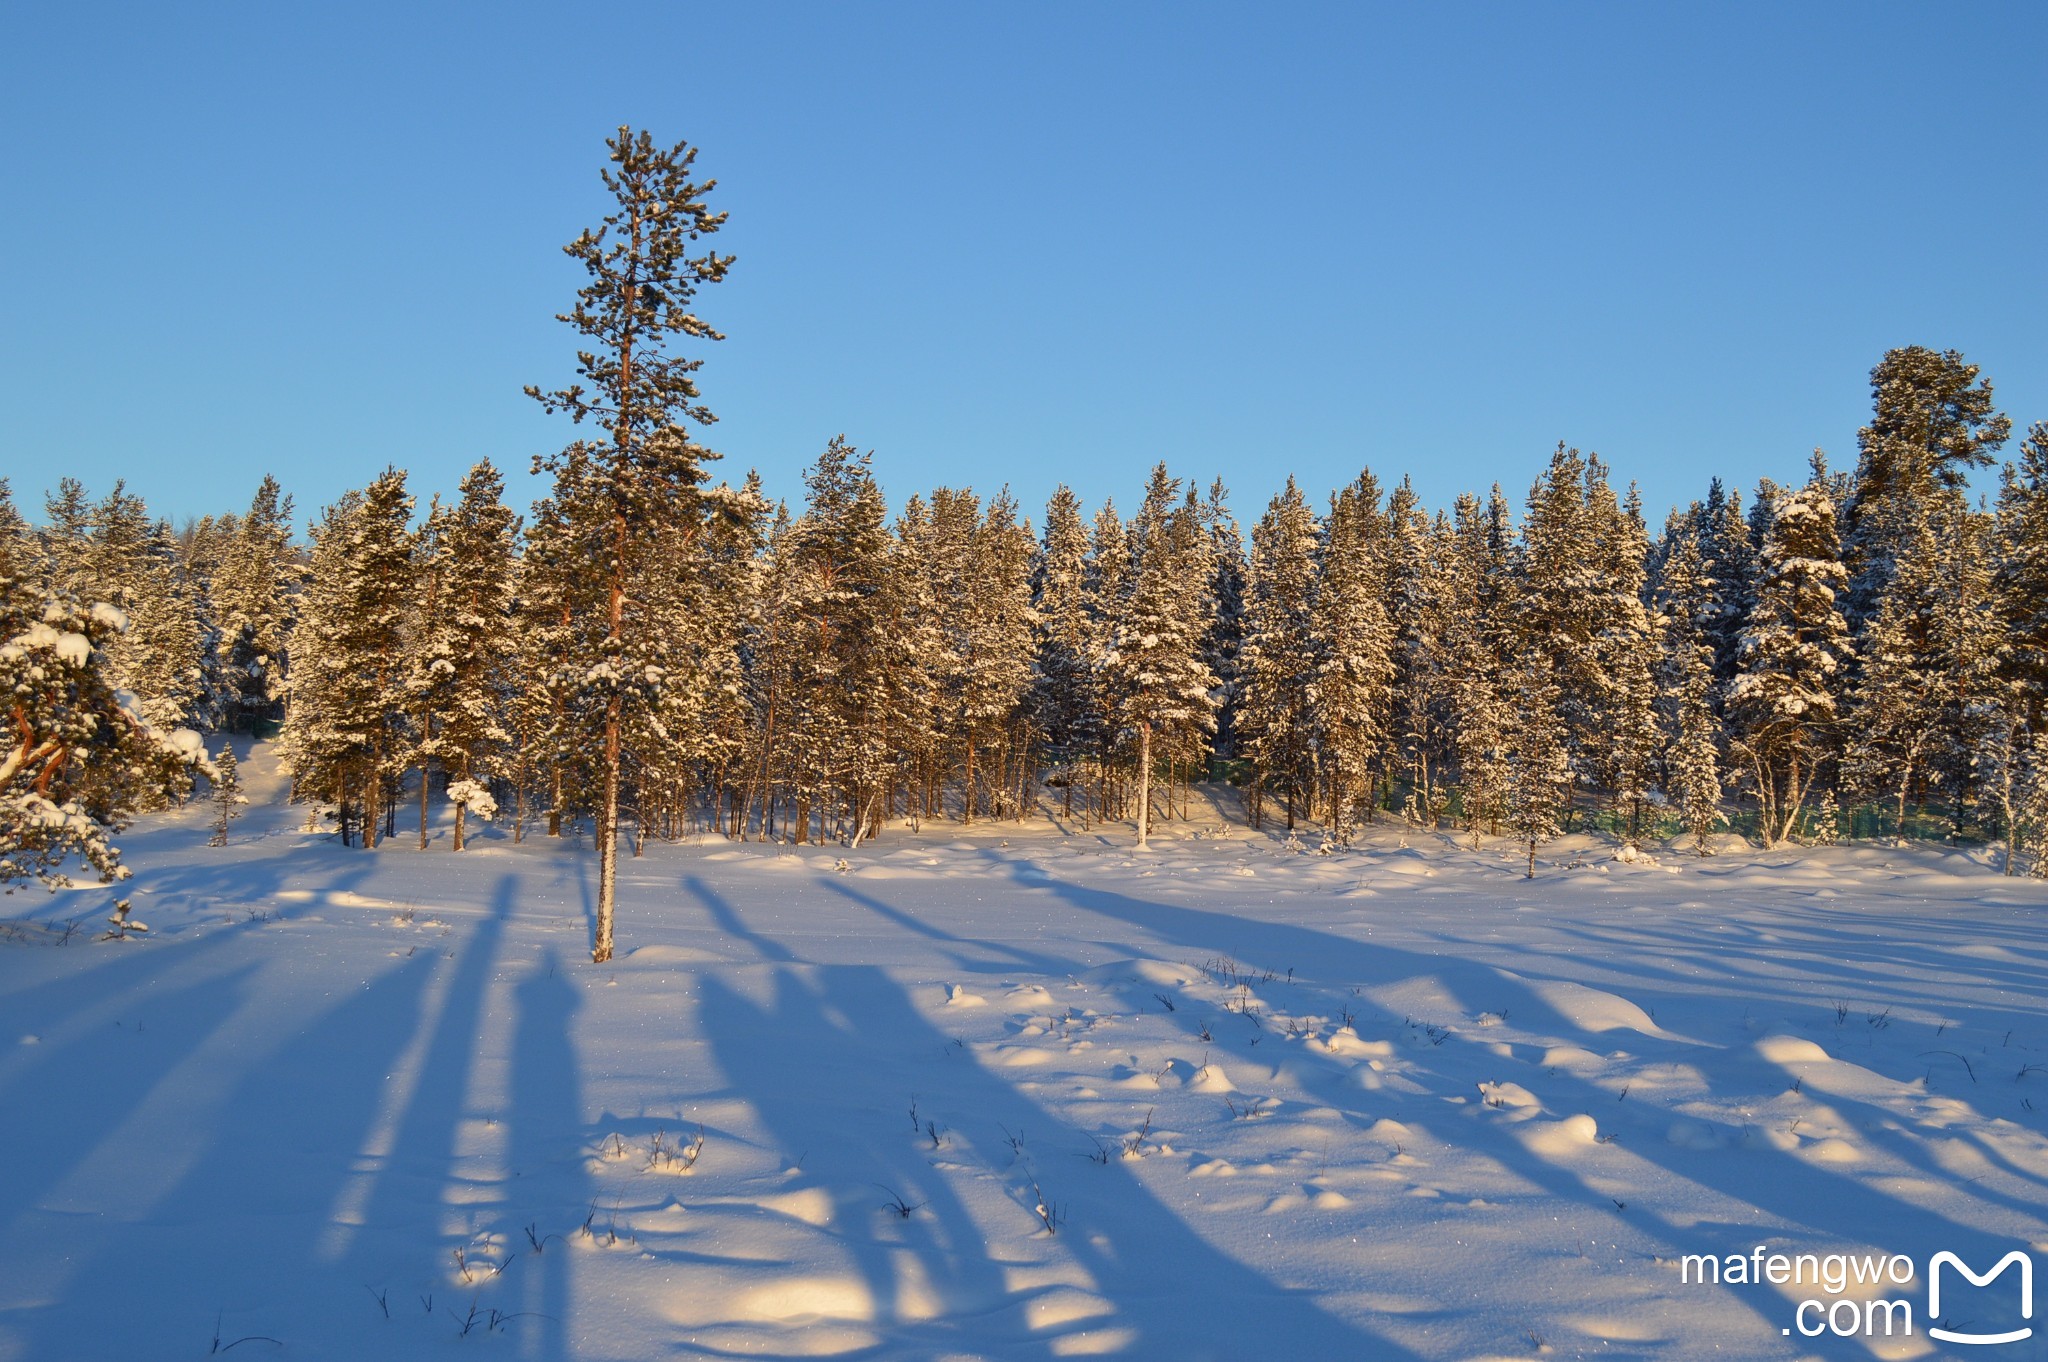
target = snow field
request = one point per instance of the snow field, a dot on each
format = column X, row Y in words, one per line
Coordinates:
column 1008, row 1092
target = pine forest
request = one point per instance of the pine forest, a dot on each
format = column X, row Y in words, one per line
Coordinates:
column 649, row 653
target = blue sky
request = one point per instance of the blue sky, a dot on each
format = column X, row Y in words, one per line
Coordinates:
column 1019, row 243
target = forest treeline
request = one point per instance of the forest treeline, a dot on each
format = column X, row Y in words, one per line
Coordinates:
column 1872, row 639
column 1859, row 653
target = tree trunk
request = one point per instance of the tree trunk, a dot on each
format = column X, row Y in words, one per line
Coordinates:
column 1144, row 785
column 607, row 837
column 372, row 789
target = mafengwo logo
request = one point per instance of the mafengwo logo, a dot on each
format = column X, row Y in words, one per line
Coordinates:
column 1986, row 1317
column 1946, row 1259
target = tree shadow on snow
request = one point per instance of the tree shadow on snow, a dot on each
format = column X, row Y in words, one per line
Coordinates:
column 1175, row 1292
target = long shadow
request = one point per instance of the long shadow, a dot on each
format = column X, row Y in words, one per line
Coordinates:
column 729, row 921
column 1179, row 1295
column 423, row 1171
column 55, row 1125
column 1805, row 1195
column 251, row 1179
column 545, row 1150
column 107, row 1010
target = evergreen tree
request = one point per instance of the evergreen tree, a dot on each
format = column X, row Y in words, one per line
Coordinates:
column 1276, row 667
column 1785, row 703
column 995, row 626
column 1625, row 653
column 1689, row 610
column 254, row 602
column 1224, row 636
column 347, row 736
column 20, row 550
column 834, row 564
column 78, row 760
column 1536, row 765
column 2021, row 573
column 1063, row 704
column 1109, row 590
column 1481, row 590
column 1417, row 595
column 1933, row 657
column 646, row 477
column 1153, row 669
column 227, row 796
column 1728, row 562
column 1354, row 639
column 461, row 672
column 1932, row 421
column 66, row 556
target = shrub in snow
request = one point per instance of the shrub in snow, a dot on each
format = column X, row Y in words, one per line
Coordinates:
column 473, row 797
column 227, row 797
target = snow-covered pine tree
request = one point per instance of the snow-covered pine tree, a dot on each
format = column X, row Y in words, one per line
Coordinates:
column 1625, row 647
column 77, row 761
column 346, row 737
column 724, row 718
column 66, row 557
column 111, row 551
column 1109, row 591
column 945, row 559
column 1354, row 642
column 1063, row 704
column 1784, row 705
column 1536, row 763
column 1276, row 664
column 430, row 676
column 1561, row 605
column 254, row 601
column 558, row 625
column 228, row 798
column 462, row 673
column 1224, row 636
column 2002, row 759
column 1481, row 588
column 1728, row 560
column 1932, row 421
column 1153, row 670
column 833, row 566
column 201, row 547
column 2021, row 573
column 2028, row 817
column 1416, row 598
column 647, row 475
column 21, row 553
column 1688, row 612
column 1933, row 677
column 996, row 630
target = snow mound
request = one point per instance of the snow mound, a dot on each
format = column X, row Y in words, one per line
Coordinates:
column 1594, row 1009
column 1346, row 1042
column 672, row 955
column 1572, row 1135
column 1791, row 1050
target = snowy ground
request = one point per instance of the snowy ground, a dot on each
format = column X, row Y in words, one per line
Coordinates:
column 1391, row 1103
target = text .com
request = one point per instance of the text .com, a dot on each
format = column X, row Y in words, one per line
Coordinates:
column 1866, row 1314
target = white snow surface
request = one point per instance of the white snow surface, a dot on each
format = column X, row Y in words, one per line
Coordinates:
column 1391, row 1103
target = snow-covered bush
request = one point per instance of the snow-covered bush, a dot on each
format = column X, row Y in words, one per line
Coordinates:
column 473, row 797
column 79, row 759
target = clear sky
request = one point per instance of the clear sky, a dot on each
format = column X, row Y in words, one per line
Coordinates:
column 1022, row 243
